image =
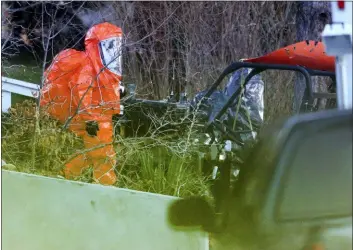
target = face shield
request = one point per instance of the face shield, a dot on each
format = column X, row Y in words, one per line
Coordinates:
column 111, row 54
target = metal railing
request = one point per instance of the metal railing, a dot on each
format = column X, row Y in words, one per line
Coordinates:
column 11, row 86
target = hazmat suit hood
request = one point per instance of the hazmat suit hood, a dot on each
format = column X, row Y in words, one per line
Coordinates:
column 103, row 47
column 104, row 51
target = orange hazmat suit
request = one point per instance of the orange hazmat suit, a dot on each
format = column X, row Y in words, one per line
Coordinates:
column 82, row 88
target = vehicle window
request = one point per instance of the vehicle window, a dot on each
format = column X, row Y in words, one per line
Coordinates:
column 319, row 181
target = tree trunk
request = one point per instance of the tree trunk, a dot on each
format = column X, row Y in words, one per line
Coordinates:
column 311, row 18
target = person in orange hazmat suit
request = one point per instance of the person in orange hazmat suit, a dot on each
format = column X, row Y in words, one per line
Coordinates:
column 82, row 90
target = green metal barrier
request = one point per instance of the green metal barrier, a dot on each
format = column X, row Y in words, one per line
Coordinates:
column 40, row 213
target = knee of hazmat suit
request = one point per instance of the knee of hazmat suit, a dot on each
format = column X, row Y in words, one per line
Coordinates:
column 84, row 86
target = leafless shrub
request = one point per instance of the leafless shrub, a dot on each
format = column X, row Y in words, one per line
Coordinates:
column 167, row 46
column 178, row 45
column 186, row 45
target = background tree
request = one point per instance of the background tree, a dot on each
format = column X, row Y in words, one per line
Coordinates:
column 311, row 18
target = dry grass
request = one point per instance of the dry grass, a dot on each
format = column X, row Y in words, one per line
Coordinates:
column 168, row 45
column 152, row 164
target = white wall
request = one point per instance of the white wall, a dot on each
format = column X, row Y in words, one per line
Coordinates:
column 40, row 213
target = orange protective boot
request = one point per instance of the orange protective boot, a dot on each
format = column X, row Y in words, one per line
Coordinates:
column 104, row 172
column 102, row 154
column 99, row 151
column 76, row 166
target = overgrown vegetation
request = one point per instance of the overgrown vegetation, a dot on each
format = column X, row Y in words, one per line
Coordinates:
column 167, row 46
column 154, row 164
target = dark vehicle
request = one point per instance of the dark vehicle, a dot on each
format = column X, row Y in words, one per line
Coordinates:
column 294, row 190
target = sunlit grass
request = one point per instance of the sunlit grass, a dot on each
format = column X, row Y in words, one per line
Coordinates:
column 144, row 164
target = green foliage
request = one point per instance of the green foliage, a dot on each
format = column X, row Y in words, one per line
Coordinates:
column 152, row 164
column 28, row 73
column 158, row 169
column 52, row 145
column 21, row 71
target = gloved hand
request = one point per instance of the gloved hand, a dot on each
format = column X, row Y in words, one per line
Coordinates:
column 122, row 91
